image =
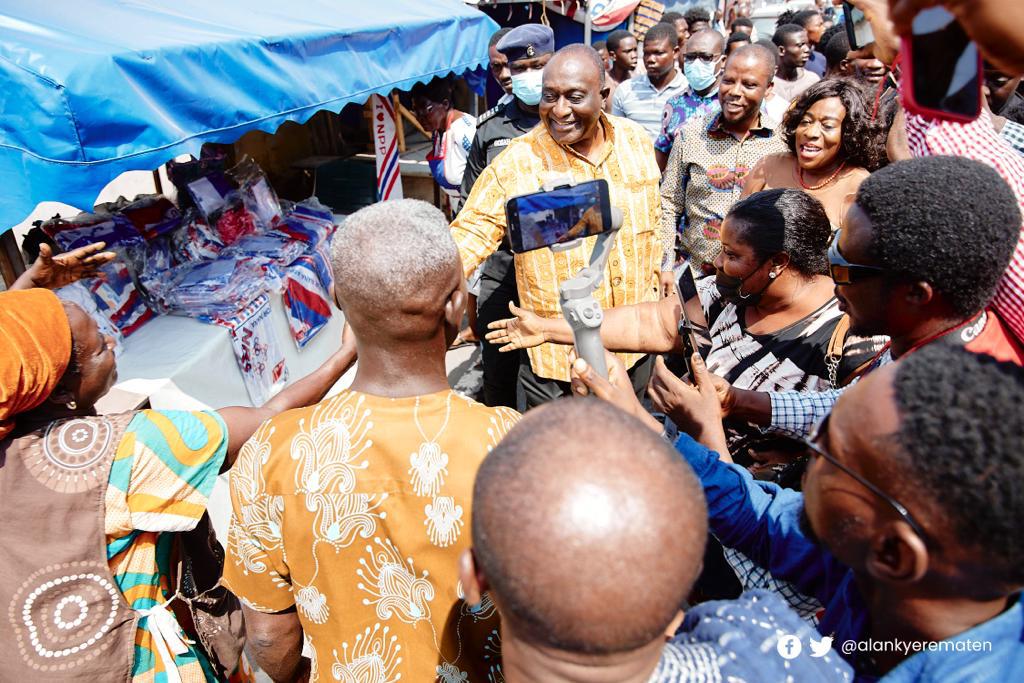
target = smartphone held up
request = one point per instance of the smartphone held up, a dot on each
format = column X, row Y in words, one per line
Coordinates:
column 942, row 67
column 558, row 216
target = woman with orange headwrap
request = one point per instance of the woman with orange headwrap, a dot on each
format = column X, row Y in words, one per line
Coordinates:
column 89, row 502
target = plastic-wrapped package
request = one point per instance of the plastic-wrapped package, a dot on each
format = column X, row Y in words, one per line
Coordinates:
column 257, row 194
column 270, row 247
column 195, row 241
column 181, row 173
column 80, row 294
column 118, row 299
column 210, row 194
column 152, row 215
column 257, row 350
column 235, row 221
column 214, row 288
column 310, row 221
column 307, row 295
column 153, row 270
column 86, row 228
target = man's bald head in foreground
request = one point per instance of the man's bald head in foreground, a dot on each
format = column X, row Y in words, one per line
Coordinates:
column 397, row 270
column 588, row 529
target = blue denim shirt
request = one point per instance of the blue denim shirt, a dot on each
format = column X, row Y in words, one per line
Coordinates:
column 761, row 520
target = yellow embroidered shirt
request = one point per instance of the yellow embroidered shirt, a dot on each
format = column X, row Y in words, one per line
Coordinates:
column 355, row 511
column 631, row 276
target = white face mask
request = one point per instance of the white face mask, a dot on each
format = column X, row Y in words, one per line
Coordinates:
column 527, row 86
column 700, row 74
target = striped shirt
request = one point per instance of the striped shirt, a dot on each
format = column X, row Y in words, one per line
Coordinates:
column 160, row 480
column 637, row 100
column 631, row 276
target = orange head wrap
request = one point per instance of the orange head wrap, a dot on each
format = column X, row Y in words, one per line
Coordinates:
column 35, row 348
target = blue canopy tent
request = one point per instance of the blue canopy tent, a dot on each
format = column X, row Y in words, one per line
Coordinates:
column 92, row 88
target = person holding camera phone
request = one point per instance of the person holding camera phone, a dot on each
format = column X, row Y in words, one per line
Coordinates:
column 576, row 140
column 990, row 23
column 773, row 322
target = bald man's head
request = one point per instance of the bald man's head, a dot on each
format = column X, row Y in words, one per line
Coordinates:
column 396, row 267
column 588, row 528
column 573, row 95
column 758, row 57
column 578, row 57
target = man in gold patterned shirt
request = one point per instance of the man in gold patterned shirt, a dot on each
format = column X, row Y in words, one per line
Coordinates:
column 576, row 140
column 348, row 517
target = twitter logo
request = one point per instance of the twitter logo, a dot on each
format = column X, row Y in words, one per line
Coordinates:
column 820, row 648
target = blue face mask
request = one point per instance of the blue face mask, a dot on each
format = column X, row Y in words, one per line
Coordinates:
column 700, row 74
column 527, row 86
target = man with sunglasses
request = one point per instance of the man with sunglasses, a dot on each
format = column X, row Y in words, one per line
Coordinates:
column 923, row 247
column 907, row 526
column 701, row 61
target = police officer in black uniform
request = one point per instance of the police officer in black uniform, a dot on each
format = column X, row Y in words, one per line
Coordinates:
column 528, row 48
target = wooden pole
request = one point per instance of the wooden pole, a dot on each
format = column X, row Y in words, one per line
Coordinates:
column 399, row 126
column 411, row 118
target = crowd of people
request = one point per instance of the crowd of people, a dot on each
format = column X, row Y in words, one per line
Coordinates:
column 803, row 462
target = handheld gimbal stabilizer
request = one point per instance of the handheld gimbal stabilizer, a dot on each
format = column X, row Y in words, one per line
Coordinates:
column 576, row 294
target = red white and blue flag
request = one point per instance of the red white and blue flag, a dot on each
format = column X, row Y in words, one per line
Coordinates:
column 385, row 144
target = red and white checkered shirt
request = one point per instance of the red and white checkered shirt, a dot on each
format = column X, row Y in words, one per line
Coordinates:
column 978, row 140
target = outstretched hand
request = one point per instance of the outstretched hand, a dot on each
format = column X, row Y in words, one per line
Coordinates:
column 52, row 272
column 524, row 331
column 617, row 389
column 695, row 408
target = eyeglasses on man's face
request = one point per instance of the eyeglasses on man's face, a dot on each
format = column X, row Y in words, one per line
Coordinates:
column 702, row 56
column 817, row 451
column 844, row 272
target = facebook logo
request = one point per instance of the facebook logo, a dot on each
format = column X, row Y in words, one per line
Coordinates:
column 789, row 647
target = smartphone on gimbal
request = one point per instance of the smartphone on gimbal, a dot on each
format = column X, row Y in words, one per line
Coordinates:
column 563, row 214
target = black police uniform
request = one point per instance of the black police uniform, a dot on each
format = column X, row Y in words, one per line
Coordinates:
column 494, row 130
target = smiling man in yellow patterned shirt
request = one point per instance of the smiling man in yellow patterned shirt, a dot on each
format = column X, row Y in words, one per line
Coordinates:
column 348, row 517
column 576, row 139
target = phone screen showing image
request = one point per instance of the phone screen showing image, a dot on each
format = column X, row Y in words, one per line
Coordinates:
column 544, row 219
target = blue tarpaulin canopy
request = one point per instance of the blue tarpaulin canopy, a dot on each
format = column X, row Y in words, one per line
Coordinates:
column 92, row 88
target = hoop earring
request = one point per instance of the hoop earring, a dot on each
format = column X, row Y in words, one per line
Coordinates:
column 72, row 405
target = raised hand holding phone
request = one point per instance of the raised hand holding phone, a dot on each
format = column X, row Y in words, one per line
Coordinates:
column 942, row 67
column 559, row 217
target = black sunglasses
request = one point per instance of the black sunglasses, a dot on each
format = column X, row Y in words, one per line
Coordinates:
column 702, row 56
column 816, row 450
column 842, row 271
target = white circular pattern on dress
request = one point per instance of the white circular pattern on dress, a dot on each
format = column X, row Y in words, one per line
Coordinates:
column 80, row 443
column 58, row 612
column 108, row 608
column 72, row 455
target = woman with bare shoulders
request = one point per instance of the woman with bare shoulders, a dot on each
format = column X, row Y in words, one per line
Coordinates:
column 833, row 147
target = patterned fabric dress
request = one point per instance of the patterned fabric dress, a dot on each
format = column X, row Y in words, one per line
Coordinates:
column 160, row 481
column 680, row 109
column 355, row 512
